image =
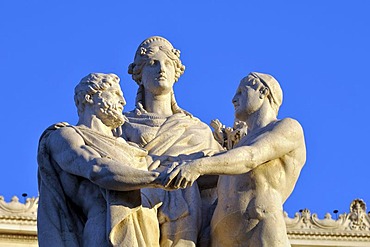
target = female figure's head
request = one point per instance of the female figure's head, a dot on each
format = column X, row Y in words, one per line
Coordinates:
column 156, row 67
column 147, row 49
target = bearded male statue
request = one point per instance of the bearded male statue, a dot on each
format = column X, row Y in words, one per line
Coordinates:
column 90, row 181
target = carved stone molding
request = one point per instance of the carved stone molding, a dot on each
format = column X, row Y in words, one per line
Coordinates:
column 18, row 223
column 352, row 226
column 27, row 210
column 18, row 238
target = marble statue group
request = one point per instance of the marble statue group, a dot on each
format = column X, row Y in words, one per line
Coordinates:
column 158, row 176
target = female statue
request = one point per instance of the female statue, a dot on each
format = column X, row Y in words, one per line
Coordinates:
column 160, row 126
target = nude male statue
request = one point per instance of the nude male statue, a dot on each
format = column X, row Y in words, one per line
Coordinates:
column 258, row 175
column 89, row 180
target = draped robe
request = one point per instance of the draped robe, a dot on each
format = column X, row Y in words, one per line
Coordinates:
column 63, row 213
column 180, row 137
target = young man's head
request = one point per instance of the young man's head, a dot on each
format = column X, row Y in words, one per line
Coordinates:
column 253, row 91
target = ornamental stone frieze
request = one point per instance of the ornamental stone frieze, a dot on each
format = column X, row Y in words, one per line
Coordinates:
column 349, row 229
column 18, row 222
column 18, row 209
column 305, row 229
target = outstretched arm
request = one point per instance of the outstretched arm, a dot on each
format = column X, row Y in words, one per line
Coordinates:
column 68, row 149
column 276, row 141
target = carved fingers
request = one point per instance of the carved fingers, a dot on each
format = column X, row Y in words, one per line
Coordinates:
column 181, row 177
column 154, row 165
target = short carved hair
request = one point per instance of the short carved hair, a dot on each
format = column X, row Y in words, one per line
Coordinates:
column 275, row 96
column 148, row 48
column 91, row 84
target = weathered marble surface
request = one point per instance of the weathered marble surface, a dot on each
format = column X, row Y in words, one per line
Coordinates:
column 89, row 180
column 142, row 179
column 160, row 126
column 352, row 229
column 258, row 174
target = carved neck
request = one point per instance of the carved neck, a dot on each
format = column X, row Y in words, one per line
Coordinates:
column 93, row 122
column 260, row 118
column 158, row 104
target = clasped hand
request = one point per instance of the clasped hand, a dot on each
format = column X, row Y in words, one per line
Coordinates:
column 178, row 175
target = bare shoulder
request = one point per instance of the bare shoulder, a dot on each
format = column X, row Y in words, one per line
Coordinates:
column 289, row 126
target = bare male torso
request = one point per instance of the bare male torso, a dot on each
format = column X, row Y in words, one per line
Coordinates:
column 249, row 210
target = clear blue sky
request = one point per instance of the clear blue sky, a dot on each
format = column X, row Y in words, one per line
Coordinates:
column 318, row 50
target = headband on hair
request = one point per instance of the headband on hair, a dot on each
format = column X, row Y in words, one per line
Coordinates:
column 156, row 41
column 272, row 84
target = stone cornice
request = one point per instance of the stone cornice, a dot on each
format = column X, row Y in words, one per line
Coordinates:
column 17, row 210
column 352, row 226
column 18, row 221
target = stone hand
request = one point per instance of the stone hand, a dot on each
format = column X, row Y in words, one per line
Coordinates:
column 182, row 176
column 163, row 171
column 158, row 181
column 154, row 165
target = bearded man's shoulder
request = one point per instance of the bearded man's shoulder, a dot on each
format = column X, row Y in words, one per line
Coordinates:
column 59, row 130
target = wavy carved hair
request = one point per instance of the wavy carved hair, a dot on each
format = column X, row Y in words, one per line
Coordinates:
column 145, row 51
column 91, row 84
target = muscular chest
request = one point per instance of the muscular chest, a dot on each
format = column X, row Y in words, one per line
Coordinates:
column 262, row 178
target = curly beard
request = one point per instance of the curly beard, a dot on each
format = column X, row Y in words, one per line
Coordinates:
column 111, row 114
